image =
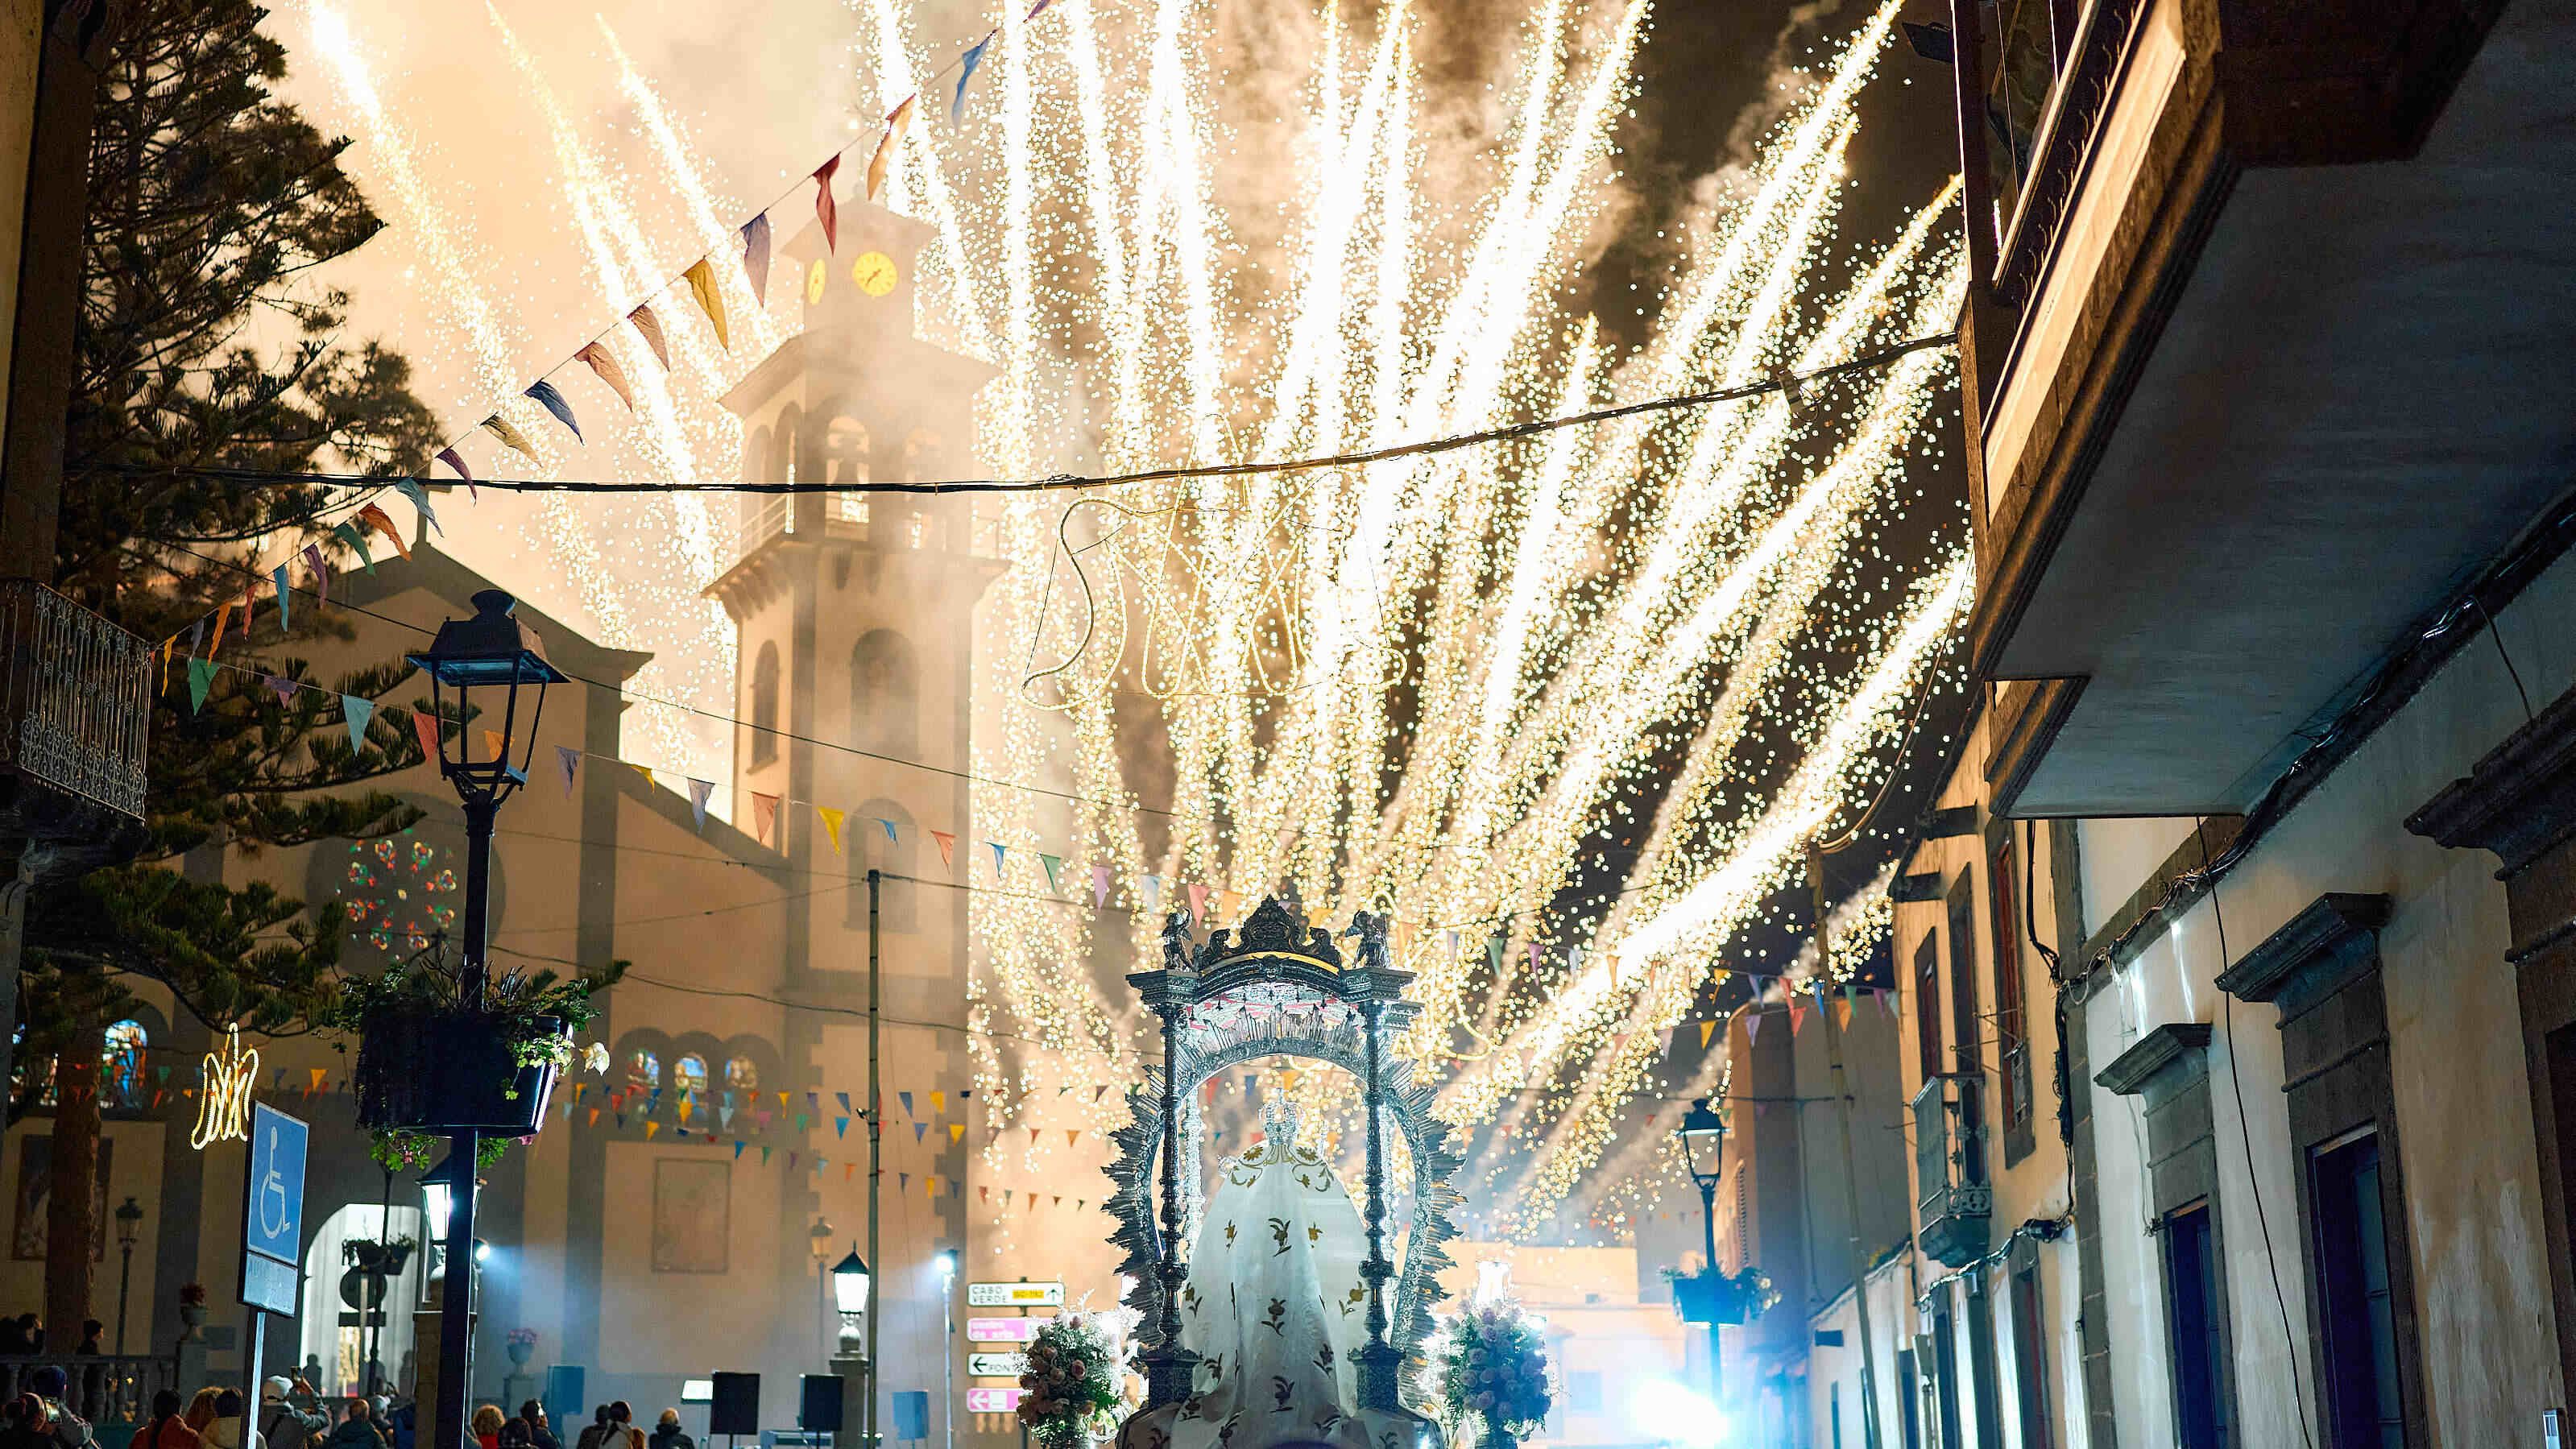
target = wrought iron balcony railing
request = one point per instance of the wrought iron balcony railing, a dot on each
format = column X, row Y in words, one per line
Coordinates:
column 1953, row 1197
column 75, row 701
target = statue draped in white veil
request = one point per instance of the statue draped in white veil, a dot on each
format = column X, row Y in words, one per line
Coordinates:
column 1275, row 1305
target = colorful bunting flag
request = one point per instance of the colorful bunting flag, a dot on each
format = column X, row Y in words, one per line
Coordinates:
column 755, row 256
column 321, row 572
column 424, row 727
column 702, row 285
column 966, row 64
column 1198, row 902
column 896, row 120
column 947, row 848
column 604, row 363
column 1054, row 866
column 1099, row 886
column 889, row 829
column 448, row 456
column 285, row 618
column 568, row 760
column 906, row 1099
column 764, row 811
column 357, row 710
column 552, row 400
column 651, row 328
column 699, row 790
column 996, row 847
column 825, row 210
column 499, row 427
column 1153, row 885
column 418, row 496
column 956, row 1133
column 201, row 677
column 831, row 825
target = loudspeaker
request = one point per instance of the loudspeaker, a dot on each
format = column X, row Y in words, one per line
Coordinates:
column 736, row 1407
column 818, row 1403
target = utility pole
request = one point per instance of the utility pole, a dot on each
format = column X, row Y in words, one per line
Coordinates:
column 1851, row 1169
column 876, row 1168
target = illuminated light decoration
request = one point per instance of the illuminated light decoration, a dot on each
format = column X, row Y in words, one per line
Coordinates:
column 399, row 892
column 223, row 1103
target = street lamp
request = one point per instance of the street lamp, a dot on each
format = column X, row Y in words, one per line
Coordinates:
column 438, row 1189
column 850, row 1281
column 947, row 1261
column 488, row 662
column 129, row 1229
column 1703, row 1135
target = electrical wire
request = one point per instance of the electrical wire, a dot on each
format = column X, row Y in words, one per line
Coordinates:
column 1783, row 381
column 2253, row 1181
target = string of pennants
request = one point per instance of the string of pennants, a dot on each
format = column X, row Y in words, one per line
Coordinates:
column 700, row 276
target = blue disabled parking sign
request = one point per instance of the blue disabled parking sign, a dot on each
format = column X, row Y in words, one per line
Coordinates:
column 273, row 1224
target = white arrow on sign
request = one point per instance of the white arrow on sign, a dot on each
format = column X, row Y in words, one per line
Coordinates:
column 997, row 1365
column 992, row 1401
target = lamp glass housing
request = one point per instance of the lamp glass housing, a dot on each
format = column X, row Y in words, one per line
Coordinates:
column 474, row 660
column 1703, row 1135
column 850, row 1283
column 821, row 1241
column 129, row 1222
column 438, row 1195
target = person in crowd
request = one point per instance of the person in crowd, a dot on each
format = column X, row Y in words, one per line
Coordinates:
column 61, row 1426
column 227, row 1431
column 487, row 1425
column 22, row 1422
column 90, row 1347
column 667, row 1433
column 595, row 1430
column 201, row 1410
column 622, row 1433
column 528, row 1430
column 168, row 1427
column 284, row 1420
column 402, row 1417
column 357, row 1430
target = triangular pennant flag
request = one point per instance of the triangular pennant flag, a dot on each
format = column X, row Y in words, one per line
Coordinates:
column 1153, row 885
column 492, row 743
column 1752, row 1027
column 567, row 759
column 956, row 1132
column 348, row 534
column 699, row 790
column 1842, row 1015
column 1797, row 1015
column 1533, row 957
column 738, row 1146
column 840, row 1126
column 764, row 813
column 825, row 209
column 1099, row 886
column 499, row 427
column 281, row 686
column 831, row 825
column 938, row 1103
column 906, row 1099
column 765, row 1150
column 604, row 362
column 321, row 573
column 1198, row 902
column 1072, row 1135
column 844, row 1099
column 755, row 256
column 966, row 64
column 285, row 616
column 996, row 847
column 223, row 616
column 382, row 522
column 702, row 285
column 918, row 1128
column 903, row 1182
column 896, row 120
column 1054, row 868
column 418, row 497
column 889, row 830
column 357, row 711
column 1494, row 954
column 644, row 770
column 651, row 328
column 448, row 456
column 653, row 1129
column 1099, row 1090
column 947, row 848
column 549, row 397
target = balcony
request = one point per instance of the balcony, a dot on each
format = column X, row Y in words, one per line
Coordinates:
column 75, row 705
column 2246, row 411
column 1953, row 1199
column 893, row 522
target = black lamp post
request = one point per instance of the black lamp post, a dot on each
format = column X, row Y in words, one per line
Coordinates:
column 487, row 663
column 129, row 1230
column 1703, row 1135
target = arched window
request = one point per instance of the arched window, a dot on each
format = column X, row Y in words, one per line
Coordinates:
column 689, row 1074
column 846, row 460
column 920, row 456
column 741, row 1075
column 885, row 693
column 755, row 461
column 895, row 850
column 785, row 453
column 764, row 706
column 120, row 1065
column 644, row 1070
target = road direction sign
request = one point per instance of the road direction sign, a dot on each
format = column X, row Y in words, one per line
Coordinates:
column 273, row 1213
column 992, row 1401
column 1003, row 1330
column 1015, row 1295
column 997, row 1365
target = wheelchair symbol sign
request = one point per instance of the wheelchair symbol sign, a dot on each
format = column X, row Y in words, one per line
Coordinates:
column 273, row 1213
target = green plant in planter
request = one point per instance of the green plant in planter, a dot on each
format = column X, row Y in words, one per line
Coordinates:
column 1711, row 1296
column 429, row 1063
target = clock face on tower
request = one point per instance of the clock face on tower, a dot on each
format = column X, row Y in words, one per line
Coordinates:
column 874, row 272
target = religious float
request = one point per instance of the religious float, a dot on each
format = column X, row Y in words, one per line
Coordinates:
column 1275, row 1329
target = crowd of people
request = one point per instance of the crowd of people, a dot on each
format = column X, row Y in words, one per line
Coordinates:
column 292, row 1416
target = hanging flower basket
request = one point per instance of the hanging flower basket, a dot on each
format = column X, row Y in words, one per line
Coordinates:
column 442, row 1070
column 1714, row 1297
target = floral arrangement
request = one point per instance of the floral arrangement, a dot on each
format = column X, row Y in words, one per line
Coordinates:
column 401, row 1150
column 1493, row 1365
column 1069, row 1388
column 1713, row 1296
column 521, row 1338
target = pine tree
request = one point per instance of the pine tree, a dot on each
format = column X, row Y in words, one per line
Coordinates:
column 207, row 340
